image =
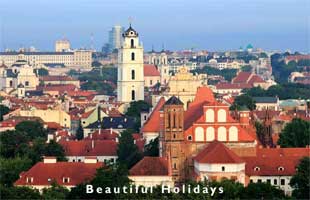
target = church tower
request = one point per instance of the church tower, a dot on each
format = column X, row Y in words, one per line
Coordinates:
column 172, row 138
column 130, row 78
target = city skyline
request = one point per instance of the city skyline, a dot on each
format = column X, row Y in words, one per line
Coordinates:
column 215, row 25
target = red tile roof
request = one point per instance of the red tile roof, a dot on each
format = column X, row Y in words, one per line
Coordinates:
column 152, row 124
column 217, row 152
column 288, row 158
column 41, row 172
column 151, row 166
column 85, row 148
column 57, row 78
column 59, row 88
column 221, row 86
column 151, row 70
column 105, row 134
column 242, row 77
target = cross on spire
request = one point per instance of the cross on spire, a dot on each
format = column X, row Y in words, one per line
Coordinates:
column 130, row 19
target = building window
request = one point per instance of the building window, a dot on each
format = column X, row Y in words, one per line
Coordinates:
column 256, row 169
column 29, row 180
column 251, row 180
column 151, row 82
column 269, row 181
column 259, row 180
column 282, row 181
column 11, row 83
column 133, row 75
column 275, row 182
column 132, row 43
column 132, row 56
column 66, row 180
column 281, row 169
column 174, row 166
column 133, row 95
column 27, row 83
column 189, row 138
column 223, row 169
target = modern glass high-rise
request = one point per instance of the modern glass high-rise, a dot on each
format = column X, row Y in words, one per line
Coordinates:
column 115, row 37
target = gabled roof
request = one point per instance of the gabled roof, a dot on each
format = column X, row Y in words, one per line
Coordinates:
column 152, row 124
column 242, row 77
column 150, row 70
column 45, row 173
column 151, row 166
column 90, row 148
column 217, row 152
column 275, row 161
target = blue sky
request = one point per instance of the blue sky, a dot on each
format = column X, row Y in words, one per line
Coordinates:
column 178, row 24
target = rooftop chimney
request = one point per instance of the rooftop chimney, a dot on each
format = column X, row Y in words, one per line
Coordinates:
column 49, row 159
column 90, row 159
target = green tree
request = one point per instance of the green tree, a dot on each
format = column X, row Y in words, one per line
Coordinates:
column 295, row 134
column 127, row 151
column 232, row 189
column 55, row 149
column 108, row 176
column 19, row 193
column 11, row 168
column 13, row 143
column 151, row 149
column 80, row 132
column 42, row 72
column 301, row 180
column 3, row 111
column 134, row 110
column 262, row 191
column 33, row 129
column 246, row 68
column 243, row 101
column 55, row 192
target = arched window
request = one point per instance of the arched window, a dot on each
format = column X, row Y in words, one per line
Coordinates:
column 132, row 43
column 199, row 135
column 210, row 115
column 221, row 115
column 132, row 56
column 221, row 134
column 174, row 120
column 133, row 95
column 233, row 133
column 210, row 134
column 189, row 138
column 133, row 75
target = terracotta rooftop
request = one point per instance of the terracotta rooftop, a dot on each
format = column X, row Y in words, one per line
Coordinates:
column 217, row 152
column 150, row 70
column 152, row 124
column 44, row 174
column 90, row 148
column 151, row 166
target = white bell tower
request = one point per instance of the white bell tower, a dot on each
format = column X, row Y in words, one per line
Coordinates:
column 130, row 77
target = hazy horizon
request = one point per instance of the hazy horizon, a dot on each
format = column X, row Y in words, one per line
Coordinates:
column 176, row 24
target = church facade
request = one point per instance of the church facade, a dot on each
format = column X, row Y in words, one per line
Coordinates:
column 130, row 80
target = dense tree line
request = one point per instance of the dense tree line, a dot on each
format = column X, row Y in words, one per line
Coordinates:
column 281, row 70
column 3, row 111
column 283, row 91
column 22, row 148
column 99, row 79
column 295, row 134
column 228, row 74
